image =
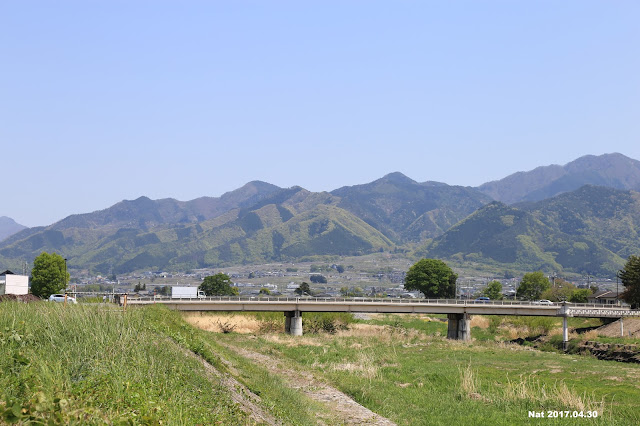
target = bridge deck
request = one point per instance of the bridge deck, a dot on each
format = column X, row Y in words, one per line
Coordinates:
column 422, row 306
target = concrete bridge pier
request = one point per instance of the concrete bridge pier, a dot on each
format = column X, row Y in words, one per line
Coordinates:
column 293, row 323
column 459, row 326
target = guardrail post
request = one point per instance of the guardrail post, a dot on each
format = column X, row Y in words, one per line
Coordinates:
column 621, row 327
column 565, row 334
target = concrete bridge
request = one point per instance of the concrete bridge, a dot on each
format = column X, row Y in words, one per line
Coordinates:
column 458, row 311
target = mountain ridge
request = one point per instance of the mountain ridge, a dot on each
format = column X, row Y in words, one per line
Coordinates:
column 261, row 222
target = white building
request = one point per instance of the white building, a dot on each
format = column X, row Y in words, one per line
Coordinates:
column 11, row 283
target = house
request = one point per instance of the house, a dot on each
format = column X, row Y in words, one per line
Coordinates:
column 11, row 283
column 605, row 297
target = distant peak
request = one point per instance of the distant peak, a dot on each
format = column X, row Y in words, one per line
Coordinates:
column 397, row 177
column 141, row 199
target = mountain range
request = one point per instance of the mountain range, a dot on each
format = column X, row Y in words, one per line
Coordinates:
column 583, row 217
column 9, row 227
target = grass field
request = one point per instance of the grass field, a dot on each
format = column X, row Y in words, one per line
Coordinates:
column 89, row 364
column 401, row 368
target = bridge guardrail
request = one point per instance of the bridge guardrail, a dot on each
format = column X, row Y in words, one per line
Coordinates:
column 370, row 300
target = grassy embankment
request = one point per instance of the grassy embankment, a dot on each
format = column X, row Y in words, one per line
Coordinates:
column 93, row 364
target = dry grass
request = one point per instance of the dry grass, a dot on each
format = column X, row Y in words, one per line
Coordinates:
column 295, row 341
column 468, row 382
column 480, row 321
column 528, row 389
column 514, row 332
column 239, row 323
column 590, row 335
column 365, row 365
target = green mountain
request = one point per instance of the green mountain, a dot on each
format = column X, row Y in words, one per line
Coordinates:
column 609, row 170
column 609, row 216
column 589, row 230
column 146, row 234
column 515, row 238
column 407, row 211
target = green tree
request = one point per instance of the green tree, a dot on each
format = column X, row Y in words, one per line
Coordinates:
column 493, row 290
column 317, row 278
column 218, row 285
column 560, row 291
column 303, row 289
column 265, row 291
column 351, row 292
column 532, row 286
column 630, row 277
column 433, row 278
column 49, row 275
column 580, row 295
column 340, row 269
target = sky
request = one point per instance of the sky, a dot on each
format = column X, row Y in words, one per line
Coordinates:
column 102, row 101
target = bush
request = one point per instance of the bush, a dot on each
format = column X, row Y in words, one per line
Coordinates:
column 327, row 322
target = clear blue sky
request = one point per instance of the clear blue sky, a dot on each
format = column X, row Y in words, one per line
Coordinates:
column 102, row 101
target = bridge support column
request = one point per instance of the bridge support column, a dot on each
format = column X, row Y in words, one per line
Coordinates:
column 621, row 326
column 565, row 334
column 459, row 327
column 293, row 323
column 287, row 322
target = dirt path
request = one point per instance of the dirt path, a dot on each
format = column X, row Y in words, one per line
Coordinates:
column 240, row 394
column 344, row 409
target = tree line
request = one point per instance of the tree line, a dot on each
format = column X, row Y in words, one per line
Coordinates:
column 432, row 277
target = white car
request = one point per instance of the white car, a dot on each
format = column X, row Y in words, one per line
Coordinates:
column 543, row 302
column 60, row 298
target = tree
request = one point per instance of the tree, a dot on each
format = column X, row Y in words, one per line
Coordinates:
column 49, row 275
column 303, row 289
column 265, row 291
column 351, row 292
column 532, row 286
column 317, row 278
column 218, row 285
column 433, row 278
column 560, row 291
column 630, row 277
column 580, row 295
column 340, row 268
column 493, row 290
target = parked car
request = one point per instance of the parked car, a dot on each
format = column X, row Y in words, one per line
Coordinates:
column 543, row 302
column 482, row 299
column 60, row 298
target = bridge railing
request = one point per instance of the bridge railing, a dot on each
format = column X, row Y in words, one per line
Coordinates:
column 286, row 299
